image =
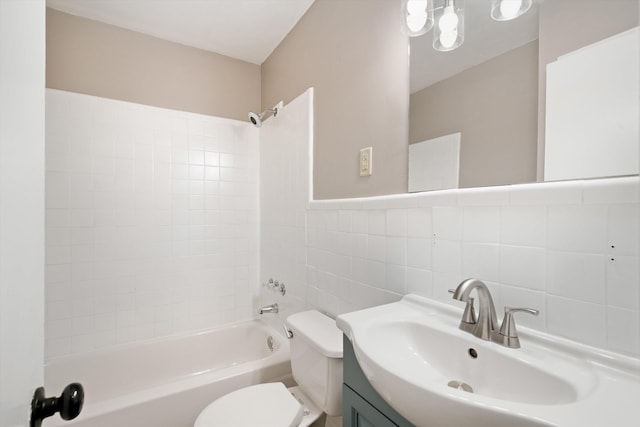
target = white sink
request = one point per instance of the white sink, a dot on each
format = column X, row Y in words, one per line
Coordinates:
column 434, row 374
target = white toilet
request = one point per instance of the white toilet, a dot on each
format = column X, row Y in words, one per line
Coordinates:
column 316, row 363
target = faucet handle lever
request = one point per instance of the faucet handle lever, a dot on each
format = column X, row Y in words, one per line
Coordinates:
column 469, row 315
column 508, row 333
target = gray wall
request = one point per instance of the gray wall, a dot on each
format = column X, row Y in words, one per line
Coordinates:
column 98, row 59
column 494, row 105
column 355, row 56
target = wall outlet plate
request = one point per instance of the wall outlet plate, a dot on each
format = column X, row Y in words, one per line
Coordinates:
column 366, row 161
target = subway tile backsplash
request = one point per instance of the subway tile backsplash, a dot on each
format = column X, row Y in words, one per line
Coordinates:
column 151, row 222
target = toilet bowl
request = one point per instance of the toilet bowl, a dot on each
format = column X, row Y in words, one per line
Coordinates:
column 316, row 364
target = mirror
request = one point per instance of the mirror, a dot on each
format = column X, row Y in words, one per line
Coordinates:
column 492, row 88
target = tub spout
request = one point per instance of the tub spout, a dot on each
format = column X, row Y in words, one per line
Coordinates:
column 272, row 308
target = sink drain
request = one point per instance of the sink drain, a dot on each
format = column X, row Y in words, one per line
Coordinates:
column 460, row 386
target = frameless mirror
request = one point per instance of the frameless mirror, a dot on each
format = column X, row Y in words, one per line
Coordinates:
column 489, row 88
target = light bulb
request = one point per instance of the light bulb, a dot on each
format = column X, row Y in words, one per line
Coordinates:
column 510, row 8
column 416, row 6
column 416, row 21
column 448, row 38
column 449, row 20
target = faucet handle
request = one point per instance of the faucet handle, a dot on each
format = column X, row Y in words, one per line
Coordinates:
column 469, row 314
column 508, row 334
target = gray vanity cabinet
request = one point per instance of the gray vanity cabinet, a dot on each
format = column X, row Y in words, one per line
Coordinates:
column 362, row 406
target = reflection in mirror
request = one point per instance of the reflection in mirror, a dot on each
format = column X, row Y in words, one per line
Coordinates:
column 486, row 90
column 584, row 110
column 492, row 88
column 434, row 164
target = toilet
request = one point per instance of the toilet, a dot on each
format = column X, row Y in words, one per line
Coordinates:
column 316, row 364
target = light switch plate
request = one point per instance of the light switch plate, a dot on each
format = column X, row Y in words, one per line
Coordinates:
column 366, row 161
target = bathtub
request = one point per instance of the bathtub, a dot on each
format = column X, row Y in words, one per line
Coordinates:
column 167, row 382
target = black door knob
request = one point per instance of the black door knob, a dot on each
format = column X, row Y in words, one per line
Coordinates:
column 69, row 404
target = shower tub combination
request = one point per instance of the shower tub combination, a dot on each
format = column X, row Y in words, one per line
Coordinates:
column 167, row 382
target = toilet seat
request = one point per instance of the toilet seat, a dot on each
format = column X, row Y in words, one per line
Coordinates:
column 262, row 405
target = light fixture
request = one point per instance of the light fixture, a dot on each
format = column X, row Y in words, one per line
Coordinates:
column 447, row 18
column 506, row 10
column 417, row 17
column 448, row 33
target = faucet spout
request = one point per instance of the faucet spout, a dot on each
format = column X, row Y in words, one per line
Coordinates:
column 271, row 308
column 485, row 325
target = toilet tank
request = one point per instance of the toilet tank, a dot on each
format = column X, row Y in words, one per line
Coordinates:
column 316, row 359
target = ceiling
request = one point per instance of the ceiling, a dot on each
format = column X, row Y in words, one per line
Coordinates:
column 248, row 30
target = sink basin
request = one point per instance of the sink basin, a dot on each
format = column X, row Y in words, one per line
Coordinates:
column 431, row 354
column 432, row 373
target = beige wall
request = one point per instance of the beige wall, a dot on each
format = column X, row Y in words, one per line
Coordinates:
column 567, row 25
column 354, row 55
column 494, row 105
column 93, row 58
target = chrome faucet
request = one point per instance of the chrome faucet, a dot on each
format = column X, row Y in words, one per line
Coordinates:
column 486, row 321
column 271, row 308
column 485, row 325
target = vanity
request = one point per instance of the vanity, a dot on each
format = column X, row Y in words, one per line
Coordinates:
column 408, row 363
column 362, row 406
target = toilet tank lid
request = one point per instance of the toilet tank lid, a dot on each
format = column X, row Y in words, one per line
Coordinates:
column 319, row 330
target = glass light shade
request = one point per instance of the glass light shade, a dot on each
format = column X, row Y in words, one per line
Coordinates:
column 448, row 32
column 449, row 20
column 506, row 10
column 417, row 17
column 416, row 6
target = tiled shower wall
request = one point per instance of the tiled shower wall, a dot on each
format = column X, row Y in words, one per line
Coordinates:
column 151, row 222
column 284, row 194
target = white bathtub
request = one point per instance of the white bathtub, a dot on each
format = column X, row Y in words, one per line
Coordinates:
column 168, row 382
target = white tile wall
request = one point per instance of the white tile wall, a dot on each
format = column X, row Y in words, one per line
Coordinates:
column 151, row 222
column 569, row 249
column 285, row 147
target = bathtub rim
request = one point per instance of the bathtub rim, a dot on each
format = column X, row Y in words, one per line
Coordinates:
column 181, row 335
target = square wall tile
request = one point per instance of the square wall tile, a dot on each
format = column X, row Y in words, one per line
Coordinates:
column 396, row 224
column 447, row 257
column 576, row 275
column 523, row 225
column 623, row 235
column 377, row 222
column 396, row 251
column 480, row 224
column 397, row 279
column 623, row 282
column 419, row 282
column 623, row 330
column 447, row 223
column 523, row 267
column 419, row 222
column 419, row 253
column 578, row 320
column 480, row 261
column 577, row 228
